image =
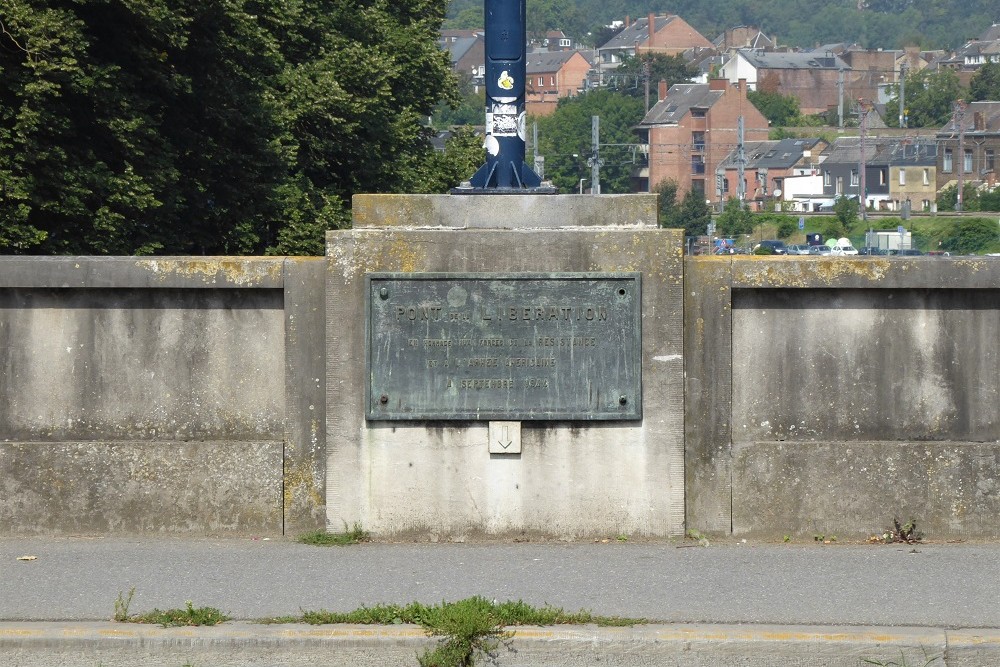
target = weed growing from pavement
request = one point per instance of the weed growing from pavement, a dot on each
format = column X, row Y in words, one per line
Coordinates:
column 122, row 604
column 468, row 629
column 321, row 538
column 509, row 613
column 905, row 533
column 174, row 618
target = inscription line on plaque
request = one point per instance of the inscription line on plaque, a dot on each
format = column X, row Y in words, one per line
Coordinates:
column 504, row 346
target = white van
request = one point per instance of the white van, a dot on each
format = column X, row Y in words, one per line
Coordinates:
column 842, row 247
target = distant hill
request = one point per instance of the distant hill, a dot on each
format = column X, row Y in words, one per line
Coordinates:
column 888, row 24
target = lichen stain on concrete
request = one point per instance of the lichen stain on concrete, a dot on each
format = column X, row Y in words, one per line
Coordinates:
column 808, row 273
column 243, row 271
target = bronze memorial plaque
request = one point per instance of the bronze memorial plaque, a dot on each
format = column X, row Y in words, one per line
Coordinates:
column 563, row 346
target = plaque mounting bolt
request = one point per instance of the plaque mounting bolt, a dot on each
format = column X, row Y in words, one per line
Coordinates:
column 622, row 400
column 383, row 399
column 384, row 293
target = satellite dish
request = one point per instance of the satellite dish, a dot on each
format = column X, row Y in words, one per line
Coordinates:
column 777, row 192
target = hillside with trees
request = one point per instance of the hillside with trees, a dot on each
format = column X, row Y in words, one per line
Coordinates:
column 930, row 24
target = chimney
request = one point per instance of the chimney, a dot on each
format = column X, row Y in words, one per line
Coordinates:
column 652, row 28
column 742, row 83
column 978, row 122
column 662, row 90
column 718, row 84
column 628, row 20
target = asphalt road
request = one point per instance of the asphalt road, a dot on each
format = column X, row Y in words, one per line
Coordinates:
column 940, row 585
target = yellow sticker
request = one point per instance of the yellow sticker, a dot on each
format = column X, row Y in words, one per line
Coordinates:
column 506, row 81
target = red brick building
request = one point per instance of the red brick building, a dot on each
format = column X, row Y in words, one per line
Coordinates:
column 691, row 130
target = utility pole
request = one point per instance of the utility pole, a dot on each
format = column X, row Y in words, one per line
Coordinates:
column 902, row 94
column 863, row 124
column 595, row 161
column 840, row 99
column 741, row 159
column 960, row 121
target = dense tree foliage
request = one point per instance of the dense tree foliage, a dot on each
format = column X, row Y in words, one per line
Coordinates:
column 565, row 139
column 930, row 24
column 210, row 126
column 780, row 110
column 735, row 220
column 972, row 235
column 985, row 83
column 631, row 76
column 930, row 96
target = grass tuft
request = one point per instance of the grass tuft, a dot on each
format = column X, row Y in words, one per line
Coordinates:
column 174, row 618
column 321, row 538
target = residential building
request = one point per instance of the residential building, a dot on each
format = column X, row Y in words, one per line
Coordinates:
column 669, row 35
column 841, row 171
column 912, row 173
column 968, row 146
column 769, row 167
column 811, row 77
column 967, row 59
column 551, row 76
column 468, row 55
column 744, row 37
column 554, row 40
column 689, row 132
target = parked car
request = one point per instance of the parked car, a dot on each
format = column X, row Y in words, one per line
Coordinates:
column 777, row 247
column 842, row 247
column 820, row 250
column 802, row 249
column 909, row 252
column 872, row 250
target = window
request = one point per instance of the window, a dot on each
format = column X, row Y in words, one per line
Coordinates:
column 967, row 161
column 927, row 176
column 989, row 160
column 902, row 177
column 854, row 177
column 883, row 176
column 946, row 166
column 826, row 178
column 697, row 113
column 541, row 81
column 698, row 141
column 697, row 164
column 552, row 80
column 564, row 42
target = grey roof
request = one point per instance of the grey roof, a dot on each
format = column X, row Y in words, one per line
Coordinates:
column 990, row 113
column 991, row 34
column 908, row 152
column 780, row 154
column 789, row 60
column 637, row 33
column 847, row 150
column 546, row 61
column 679, row 100
column 459, row 48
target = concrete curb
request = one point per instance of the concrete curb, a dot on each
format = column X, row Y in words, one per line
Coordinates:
column 65, row 644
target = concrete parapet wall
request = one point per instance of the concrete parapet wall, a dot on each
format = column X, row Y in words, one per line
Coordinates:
column 140, row 395
column 844, row 392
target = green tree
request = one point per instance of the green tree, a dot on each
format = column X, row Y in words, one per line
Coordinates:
column 780, row 110
column 985, row 83
column 845, row 216
column 666, row 202
column 972, row 235
column 565, row 140
column 629, row 78
column 693, row 215
column 930, row 96
column 735, row 219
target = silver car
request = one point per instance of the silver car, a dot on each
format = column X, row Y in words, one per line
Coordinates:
column 820, row 250
column 798, row 249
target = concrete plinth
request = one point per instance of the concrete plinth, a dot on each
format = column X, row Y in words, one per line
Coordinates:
column 438, row 479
